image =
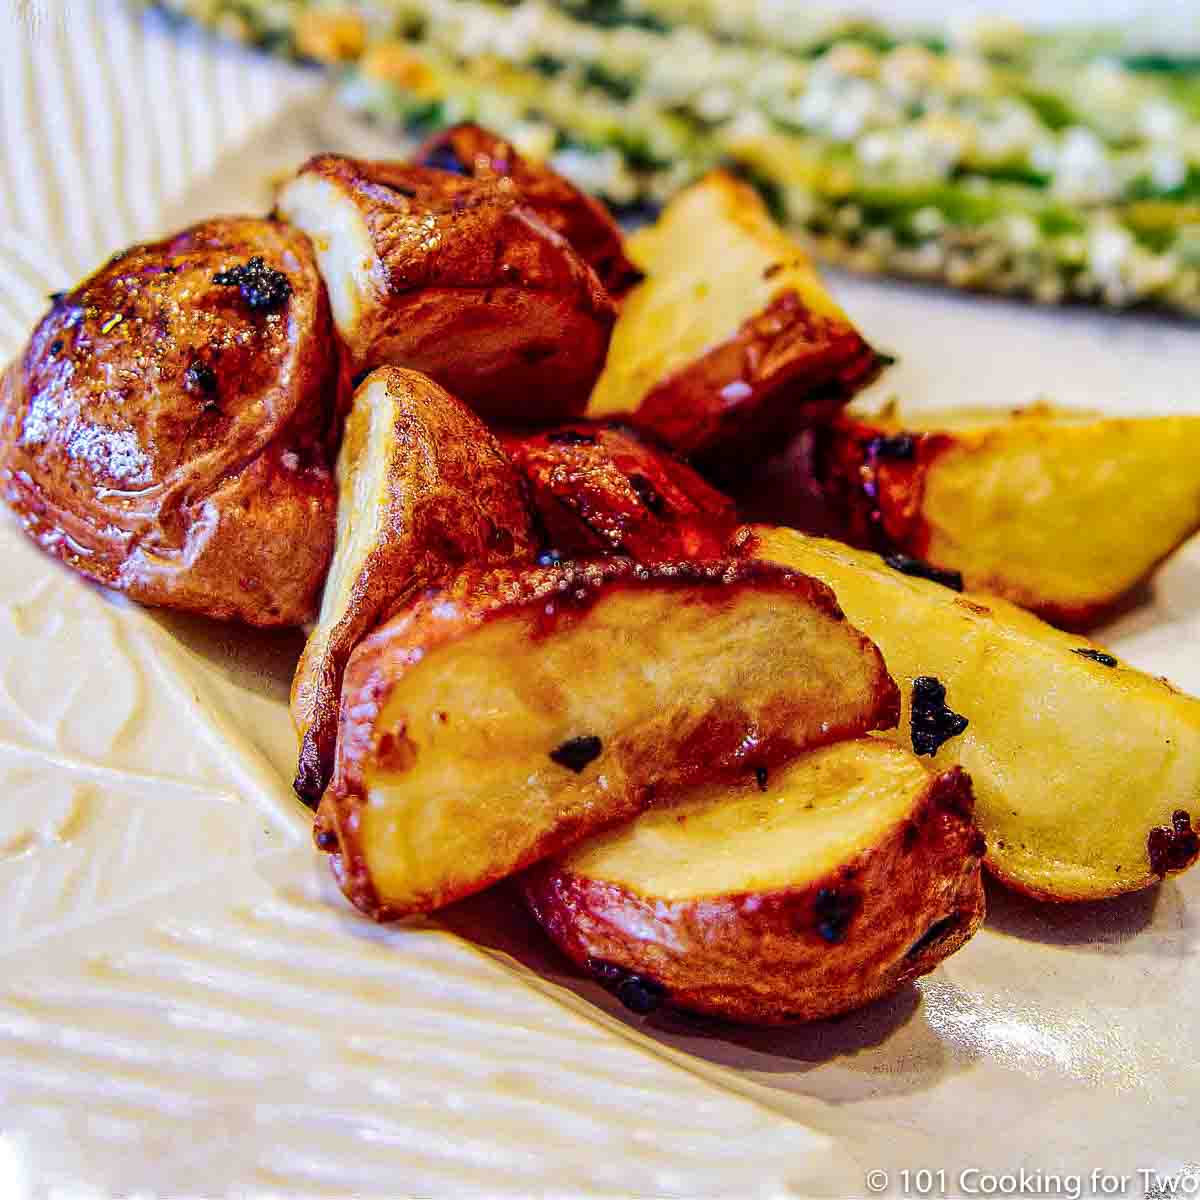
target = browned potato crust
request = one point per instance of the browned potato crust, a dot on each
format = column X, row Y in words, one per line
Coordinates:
column 166, row 429
column 425, row 490
column 496, row 721
column 585, row 222
column 833, row 882
column 1061, row 511
column 603, row 488
column 455, row 278
column 732, row 342
column 1086, row 772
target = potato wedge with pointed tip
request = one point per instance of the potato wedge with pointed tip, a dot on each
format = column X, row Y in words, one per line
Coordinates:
column 424, row 490
column 603, row 488
column 583, row 220
column 1063, row 512
column 1086, row 771
column 455, row 278
column 732, row 341
column 801, row 894
column 501, row 719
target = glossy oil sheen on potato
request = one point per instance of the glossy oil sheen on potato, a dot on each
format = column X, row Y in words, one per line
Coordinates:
column 456, row 278
column 424, row 490
column 1062, row 512
column 1079, row 768
column 461, row 717
column 732, row 339
column 602, row 488
column 801, row 894
column 165, row 435
column 583, row 220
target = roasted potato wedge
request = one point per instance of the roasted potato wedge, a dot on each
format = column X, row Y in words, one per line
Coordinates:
column 424, row 490
column 1086, row 771
column 1063, row 512
column 808, row 892
column 166, row 430
column 455, row 278
column 602, row 488
column 732, row 341
column 584, row 221
column 497, row 721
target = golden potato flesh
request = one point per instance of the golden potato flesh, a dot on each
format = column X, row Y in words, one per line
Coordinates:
column 732, row 341
column 456, row 278
column 424, row 490
column 1061, row 512
column 166, row 430
column 802, row 893
column 496, row 722
column 1086, row 772
column 472, row 150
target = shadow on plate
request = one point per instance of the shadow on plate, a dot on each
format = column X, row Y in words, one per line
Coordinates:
column 260, row 660
column 1098, row 926
column 887, row 1048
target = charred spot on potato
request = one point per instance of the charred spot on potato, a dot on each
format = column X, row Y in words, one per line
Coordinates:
column 978, row 847
column 646, row 493
column 833, row 910
column 1173, row 847
column 1097, row 656
column 326, row 839
column 638, row 993
column 937, row 932
column 263, row 288
column 760, row 777
column 604, row 972
column 571, row 437
column 902, row 447
column 906, row 564
column 933, row 723
column 445, row 158
column 200, row 379
column 910, row 837
column 538, row 352
column 575, row 753
column 549, row 558
column 56, row 298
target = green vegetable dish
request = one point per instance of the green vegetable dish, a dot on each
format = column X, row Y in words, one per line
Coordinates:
column 1058, row 166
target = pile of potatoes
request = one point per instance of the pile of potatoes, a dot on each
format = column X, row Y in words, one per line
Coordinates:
column 497, row 451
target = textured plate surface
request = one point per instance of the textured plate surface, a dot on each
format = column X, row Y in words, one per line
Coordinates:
column 188, row 1008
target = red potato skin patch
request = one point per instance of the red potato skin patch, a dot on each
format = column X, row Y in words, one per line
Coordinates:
column 825, row 933
column 551, row 596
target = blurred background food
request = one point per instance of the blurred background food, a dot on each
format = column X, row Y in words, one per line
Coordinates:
column 1056, row 165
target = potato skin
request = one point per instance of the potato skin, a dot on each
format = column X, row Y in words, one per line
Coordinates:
column 474, row 290
column 604, row 488
column 732, row 343
column 551, row 595
column 785, row 368
column 1001, row 502
column 163, row 437
column 886, row 917
column 469, row 149
column 452, row 499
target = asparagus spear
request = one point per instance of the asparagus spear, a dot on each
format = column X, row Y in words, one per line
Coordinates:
column 1053, row 166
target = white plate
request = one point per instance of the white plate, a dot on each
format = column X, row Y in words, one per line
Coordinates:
column 187, row 1007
